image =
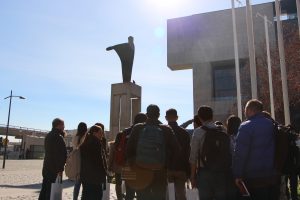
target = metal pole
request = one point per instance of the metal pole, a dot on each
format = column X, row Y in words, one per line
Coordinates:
column 237, row 63
column 251, row 49
column 282, row 66
column 269, row 68
column 120, row 112
column 6, row 134
column 298, row 14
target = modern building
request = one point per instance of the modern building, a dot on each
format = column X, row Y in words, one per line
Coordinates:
column 204, row 43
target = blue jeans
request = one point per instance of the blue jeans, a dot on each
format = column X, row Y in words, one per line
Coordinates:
column 212, row 185
column 92, row 191
column 76, row 190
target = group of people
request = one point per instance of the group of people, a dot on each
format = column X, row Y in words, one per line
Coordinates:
column 93, row 157
column 223, row 161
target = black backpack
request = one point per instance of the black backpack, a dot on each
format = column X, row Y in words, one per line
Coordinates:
column 216, row 154
column 287, row 159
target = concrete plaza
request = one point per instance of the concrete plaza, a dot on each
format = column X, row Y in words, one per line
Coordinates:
column 22, row 180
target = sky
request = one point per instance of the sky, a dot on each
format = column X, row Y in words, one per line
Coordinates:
column 53, row 53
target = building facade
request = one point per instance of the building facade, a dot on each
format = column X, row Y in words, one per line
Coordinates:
column 204, row 43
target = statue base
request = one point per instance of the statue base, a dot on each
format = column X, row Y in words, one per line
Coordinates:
column 125, row 104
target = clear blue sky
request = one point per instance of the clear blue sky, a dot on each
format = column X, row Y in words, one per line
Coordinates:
column 53, row 53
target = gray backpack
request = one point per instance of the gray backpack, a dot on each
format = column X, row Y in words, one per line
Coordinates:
column 151, row 148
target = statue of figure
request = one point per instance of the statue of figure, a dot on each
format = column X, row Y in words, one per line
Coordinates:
column 126, row 54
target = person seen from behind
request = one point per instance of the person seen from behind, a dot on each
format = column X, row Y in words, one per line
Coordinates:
column 77, row 141
column 253, row 159
column 233, row 124
column 55, row 157
column 93, row 171
column 180, row 170
column 119, row 157
column 151, row 147
column 209, row 172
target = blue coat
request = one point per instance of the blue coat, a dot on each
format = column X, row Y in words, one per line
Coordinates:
column 255, row 147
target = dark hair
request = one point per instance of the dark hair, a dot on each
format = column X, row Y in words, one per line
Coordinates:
column 81, row 130
column 153, row 111
column 56, row 122
column 197, row 121
column 233, row 124
column 100, row 124
column 140, row 118
column 205, row 113
column 255, row 105
column 95, row 129
column 171, row 112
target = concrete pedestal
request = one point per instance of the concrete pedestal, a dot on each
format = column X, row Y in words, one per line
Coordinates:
column 125, row 104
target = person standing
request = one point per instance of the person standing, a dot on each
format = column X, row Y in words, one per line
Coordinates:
column 233, row 124
column 210, row 157
column 77, row 141
column 93, row 171
column 55, row 157
column 253, row 159
column 119, row 157
column 152, row 147
column 180, row 169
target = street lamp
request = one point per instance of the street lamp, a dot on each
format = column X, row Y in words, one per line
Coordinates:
column 266, row 21
column 282, row 64
column 7, row 127
column 251, row 48
column 237, row 62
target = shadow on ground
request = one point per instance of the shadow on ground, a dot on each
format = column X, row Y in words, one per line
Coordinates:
column 37, row 186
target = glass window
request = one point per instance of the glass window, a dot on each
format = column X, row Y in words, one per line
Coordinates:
column 224, row 82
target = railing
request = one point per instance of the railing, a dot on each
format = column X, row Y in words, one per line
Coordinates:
column 20, row 128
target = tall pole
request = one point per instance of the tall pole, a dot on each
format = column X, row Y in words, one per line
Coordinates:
column 298, row 14
column 237, row 63
column 6, row 134
column 251, row 49
column 282, row 66
column 269, row 68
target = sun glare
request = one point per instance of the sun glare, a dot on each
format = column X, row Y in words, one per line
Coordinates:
column 166, row 6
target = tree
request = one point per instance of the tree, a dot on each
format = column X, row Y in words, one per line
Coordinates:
column 292, row 53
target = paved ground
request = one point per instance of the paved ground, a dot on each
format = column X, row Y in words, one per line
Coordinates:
column 22, row 180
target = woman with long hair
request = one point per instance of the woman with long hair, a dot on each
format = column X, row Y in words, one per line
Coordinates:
column 93, row 171
column 77, row 140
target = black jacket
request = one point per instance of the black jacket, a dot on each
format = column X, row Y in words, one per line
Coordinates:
column 92, row 161
column 182, row 160
column 55, row 153
column 172, row 145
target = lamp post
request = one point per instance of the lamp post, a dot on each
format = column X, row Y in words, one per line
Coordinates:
column 237, row 63
column 266, row 21
column 7, row 127
column 282, row 65
column 251, row 49
column 298, row 14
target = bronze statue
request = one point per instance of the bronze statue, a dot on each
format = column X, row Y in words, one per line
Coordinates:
column 126, row 54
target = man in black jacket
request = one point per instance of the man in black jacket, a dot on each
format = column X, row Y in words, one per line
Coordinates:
column 180, row 170
column 55, row 157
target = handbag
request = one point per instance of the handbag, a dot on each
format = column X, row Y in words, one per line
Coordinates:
column 106, row 191
column 171, row 191
column 56, row 189
column 192, row 194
